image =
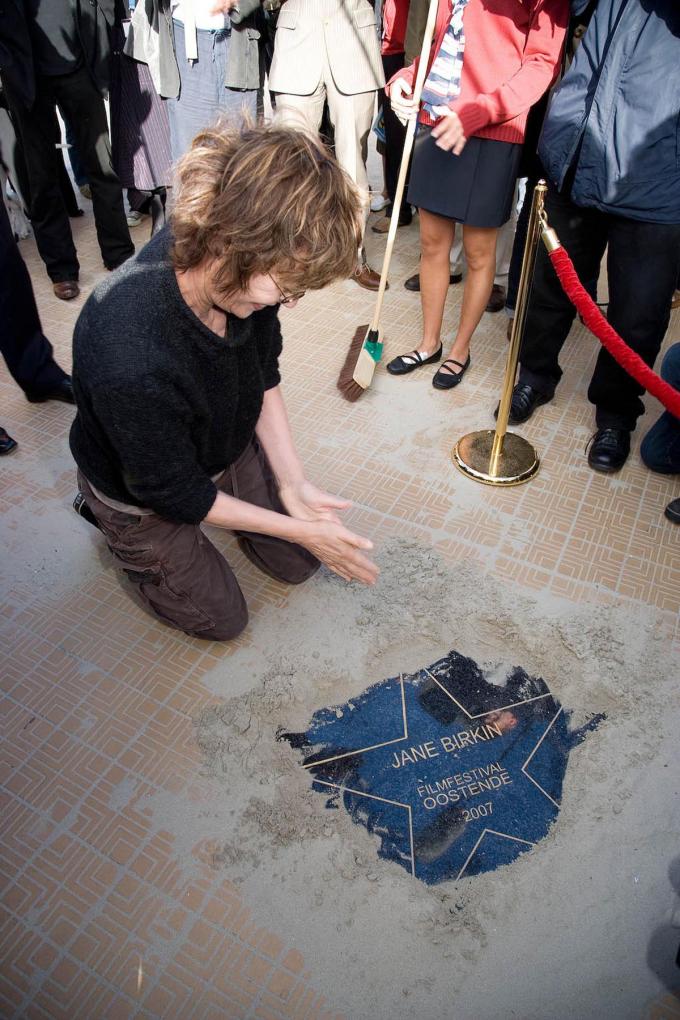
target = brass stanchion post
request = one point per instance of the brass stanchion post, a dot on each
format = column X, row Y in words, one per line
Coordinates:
column 500, row 457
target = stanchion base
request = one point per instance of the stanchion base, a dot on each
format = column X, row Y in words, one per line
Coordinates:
column 518, row 461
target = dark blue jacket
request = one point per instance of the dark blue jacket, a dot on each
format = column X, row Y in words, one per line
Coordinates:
column 620, row 102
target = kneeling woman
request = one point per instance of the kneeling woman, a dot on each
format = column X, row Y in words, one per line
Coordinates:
column 180, row 415
column 491, row 61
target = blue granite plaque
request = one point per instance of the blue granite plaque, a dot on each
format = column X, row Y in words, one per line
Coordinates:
column 456, row 775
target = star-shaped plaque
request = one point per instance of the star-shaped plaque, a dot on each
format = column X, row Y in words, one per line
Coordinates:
column 455, row 775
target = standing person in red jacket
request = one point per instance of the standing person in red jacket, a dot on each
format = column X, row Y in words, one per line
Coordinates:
column 489, row 64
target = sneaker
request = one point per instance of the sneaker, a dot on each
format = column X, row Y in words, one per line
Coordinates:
column 378, row 202
column 134, row 218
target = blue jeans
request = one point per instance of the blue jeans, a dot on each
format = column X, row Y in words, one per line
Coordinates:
column 203, row 96
column 660, row 449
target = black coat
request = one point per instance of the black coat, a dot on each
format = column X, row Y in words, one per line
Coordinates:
column 16, row 52
column 95, row 19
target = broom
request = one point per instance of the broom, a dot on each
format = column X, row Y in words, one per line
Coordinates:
column 366, row 347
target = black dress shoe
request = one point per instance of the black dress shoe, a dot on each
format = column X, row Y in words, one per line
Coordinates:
column 445, row 378
column 62, row 391
column 608, row 450
column 525, row 400
column 413, row 282
column 7, row 444
column 405, row 363
column 672, row 511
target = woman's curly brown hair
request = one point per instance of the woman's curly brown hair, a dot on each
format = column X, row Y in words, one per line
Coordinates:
column 257, row 199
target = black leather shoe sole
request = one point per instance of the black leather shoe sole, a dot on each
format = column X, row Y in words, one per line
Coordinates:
column 605, row 467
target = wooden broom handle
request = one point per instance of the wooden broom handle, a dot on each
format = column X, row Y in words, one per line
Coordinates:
column 405, row 157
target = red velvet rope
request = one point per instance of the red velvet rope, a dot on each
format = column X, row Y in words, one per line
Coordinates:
column 608, row 337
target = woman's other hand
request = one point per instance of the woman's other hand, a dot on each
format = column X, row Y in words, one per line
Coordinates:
column 325, row 536
column 448, row 131
column 306, row 502
column 340, row 550
column 404, row 108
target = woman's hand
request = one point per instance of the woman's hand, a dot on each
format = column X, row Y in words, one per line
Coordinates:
column 340, row 550
column 324, row 535
column 306, row 502
column 404, row 107
column 448, row 131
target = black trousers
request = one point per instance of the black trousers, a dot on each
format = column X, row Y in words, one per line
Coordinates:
column 24, row 347
column 395, row 135
column 643, row 260
column 37, row 130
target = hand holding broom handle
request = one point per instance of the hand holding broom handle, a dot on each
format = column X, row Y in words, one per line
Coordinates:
column 405, row 157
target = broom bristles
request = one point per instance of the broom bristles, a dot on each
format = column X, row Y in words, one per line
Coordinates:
column 347, row 386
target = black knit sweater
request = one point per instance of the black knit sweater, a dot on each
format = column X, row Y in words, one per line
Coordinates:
column 163, row 402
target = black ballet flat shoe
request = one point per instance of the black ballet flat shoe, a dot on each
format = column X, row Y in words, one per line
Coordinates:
column 405, row 363
column 445, row 379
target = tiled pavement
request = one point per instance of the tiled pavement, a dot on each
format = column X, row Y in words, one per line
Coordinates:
column 99, row 914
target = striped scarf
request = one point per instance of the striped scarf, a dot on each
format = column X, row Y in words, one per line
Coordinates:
column 443, row 81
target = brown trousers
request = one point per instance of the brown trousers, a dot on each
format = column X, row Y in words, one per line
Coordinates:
column 180, row 574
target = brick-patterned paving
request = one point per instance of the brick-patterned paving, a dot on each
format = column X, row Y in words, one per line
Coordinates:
column 98, row 915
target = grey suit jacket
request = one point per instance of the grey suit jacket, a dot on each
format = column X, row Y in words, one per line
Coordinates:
column 348, row 31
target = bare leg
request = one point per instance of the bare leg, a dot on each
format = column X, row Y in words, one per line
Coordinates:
column 436, row 238
column 480, row 252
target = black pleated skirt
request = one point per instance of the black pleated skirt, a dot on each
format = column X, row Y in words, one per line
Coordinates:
column 476, row 187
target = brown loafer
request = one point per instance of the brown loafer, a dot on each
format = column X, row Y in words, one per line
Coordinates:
column 367, row 277
column 413, row 282
column 382, row 225
column 496, row 299
column 66, row 290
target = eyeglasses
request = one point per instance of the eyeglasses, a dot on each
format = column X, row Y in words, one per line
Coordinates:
column 286, row 299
